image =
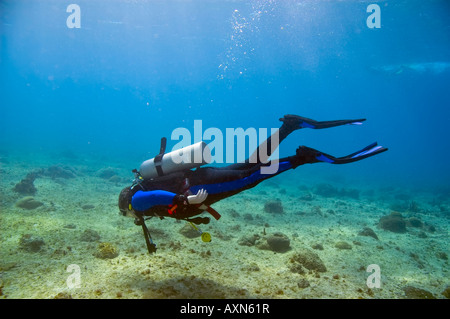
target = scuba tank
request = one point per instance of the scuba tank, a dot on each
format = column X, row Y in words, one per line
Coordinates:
column 188, row 157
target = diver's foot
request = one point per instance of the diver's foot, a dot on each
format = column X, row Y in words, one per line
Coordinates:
column 295, row 122
column 304, row 155
column 307, row 155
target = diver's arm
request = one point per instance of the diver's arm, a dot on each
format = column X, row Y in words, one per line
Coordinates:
column 143, row 201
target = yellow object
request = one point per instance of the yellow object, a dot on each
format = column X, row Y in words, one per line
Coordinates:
column 206, row 237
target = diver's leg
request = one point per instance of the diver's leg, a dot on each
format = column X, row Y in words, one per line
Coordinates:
column 266, row 148
column 307, row 155
column 222, row 183
column 290, row 124
column 295, row 122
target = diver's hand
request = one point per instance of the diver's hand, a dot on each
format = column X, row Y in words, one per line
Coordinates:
column 199, row 198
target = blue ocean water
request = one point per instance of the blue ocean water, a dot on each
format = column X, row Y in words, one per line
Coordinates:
column 103, row 94
column 135, row 70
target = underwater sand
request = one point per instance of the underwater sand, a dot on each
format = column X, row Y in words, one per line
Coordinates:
column 189, row 268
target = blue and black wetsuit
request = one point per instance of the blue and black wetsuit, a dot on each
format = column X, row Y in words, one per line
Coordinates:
column 165, row 195
column 160, row 195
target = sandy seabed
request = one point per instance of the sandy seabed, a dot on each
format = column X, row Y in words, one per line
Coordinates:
column 413, row 264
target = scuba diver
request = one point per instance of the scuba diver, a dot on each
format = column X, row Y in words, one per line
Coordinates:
column 164, row 189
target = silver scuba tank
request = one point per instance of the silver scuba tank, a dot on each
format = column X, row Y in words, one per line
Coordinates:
column 188, row 157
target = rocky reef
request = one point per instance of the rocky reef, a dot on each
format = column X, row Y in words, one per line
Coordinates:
column 366, row 231
column 397, row 223
column 304, row 259
column 31, row 243
column 29, row 203
column 328, row 190
column 417, row 293
column 276, row 242
column 106, row 250
column 59, row 171
column 26, row 185
column 343, row 245
column 106, row 173
column 273, row 207
column 89, row 235
column 393, row 222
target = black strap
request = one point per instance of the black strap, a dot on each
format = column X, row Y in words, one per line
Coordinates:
column 151, row 247
column 158, row 158
column 162, row 150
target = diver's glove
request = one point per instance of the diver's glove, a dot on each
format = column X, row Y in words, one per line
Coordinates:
column 198, row 198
